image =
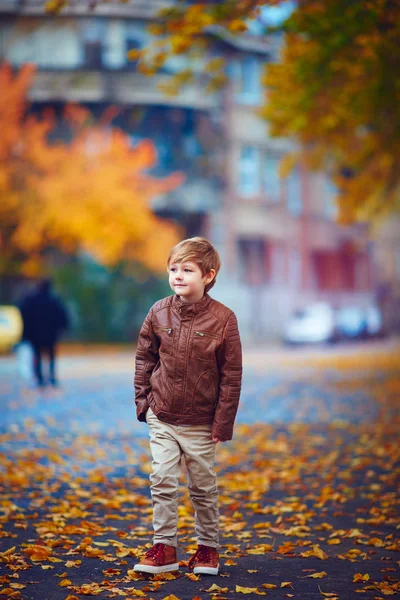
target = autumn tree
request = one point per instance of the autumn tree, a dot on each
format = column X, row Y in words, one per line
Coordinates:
column 92, row 194
column 335, row 88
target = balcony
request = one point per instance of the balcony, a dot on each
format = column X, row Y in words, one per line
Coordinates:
column 119, row 88
column 142, row 9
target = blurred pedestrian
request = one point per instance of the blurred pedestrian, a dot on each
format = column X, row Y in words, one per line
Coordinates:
column 187, row 380
column 45, row 319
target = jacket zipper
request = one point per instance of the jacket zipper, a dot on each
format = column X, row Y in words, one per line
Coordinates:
column 165, row 329
column 186, row 367
column 205, row 334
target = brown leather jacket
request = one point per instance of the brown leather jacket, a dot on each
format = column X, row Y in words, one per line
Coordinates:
column 189, row 364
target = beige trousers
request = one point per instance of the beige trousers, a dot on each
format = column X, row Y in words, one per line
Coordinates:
column 168, row 444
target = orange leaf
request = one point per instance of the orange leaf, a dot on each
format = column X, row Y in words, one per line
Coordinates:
column 316, row 551
column 360, row 577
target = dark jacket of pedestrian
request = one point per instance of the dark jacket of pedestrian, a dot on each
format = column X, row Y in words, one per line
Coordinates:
column 44, row 315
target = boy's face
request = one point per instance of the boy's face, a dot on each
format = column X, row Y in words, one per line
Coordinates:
column 187, row 280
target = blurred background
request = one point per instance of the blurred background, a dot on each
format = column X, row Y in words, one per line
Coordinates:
column 101, row 172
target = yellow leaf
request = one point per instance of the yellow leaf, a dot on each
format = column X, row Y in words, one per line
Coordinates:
column 192, row 576
column 101, row 543
column 318, row 575
column 17, row 586
column 8, row 552
column 375, row 542
column 260, row 549
column 72, row 563
column 133, row 54
column 360, row 577
column 237, row 26
column 216, row 588
column 269, row 586
column 65, row 583
column 316, row 551
column 164, row 577
column 11, row 593
column 248, row 590
column 286, row 584
column 328, row 594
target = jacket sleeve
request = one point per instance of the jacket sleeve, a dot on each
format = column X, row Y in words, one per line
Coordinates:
column 230, row 381
column 146, row 359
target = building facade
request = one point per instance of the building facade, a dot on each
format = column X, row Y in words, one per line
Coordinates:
column 280, row 244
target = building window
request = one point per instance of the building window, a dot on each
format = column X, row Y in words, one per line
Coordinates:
column 249, row 171
column 278, row 262
column 49, row 47
column 271, row 179
column 254, row 263
column 134, row 40
column 334, row 270
column 326, row 266
column 93, row 36
column 362, row 271
column 114, row 55
column 247, row 73
column 294, row 268
column 330, row 195
column 294, row 200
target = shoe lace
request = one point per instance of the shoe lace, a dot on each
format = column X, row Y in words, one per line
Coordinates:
column 156, row 553
column 203, row 554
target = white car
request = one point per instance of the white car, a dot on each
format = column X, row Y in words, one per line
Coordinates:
column 354, row 322
column 320, row 323
column 313, row 324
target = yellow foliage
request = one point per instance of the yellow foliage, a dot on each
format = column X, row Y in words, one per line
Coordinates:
column 340, row 116
column 91, row 195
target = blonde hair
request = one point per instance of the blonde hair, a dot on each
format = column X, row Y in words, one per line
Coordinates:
column 200, row 251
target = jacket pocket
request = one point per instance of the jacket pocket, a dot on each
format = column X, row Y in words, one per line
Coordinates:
column 204, row 345
column 166, row 337
column 204, row 399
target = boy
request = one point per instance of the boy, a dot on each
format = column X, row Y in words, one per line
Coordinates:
column 187, row 383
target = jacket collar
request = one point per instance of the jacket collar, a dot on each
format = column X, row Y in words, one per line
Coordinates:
column 193, row 308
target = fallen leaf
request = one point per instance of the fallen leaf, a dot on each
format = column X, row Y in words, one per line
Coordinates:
column 192, row 576
column 332, row 595
column 360, row 577
column 249, row 590
column 216, row 588
column 316, row 551
column 269, row 586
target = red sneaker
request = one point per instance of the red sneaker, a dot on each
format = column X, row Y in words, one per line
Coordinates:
column 159, row 559
column 205, row 561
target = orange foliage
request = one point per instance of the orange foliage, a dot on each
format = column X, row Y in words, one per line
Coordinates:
column 92, row 195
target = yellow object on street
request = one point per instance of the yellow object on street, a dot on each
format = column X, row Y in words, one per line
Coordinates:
column 10, row 327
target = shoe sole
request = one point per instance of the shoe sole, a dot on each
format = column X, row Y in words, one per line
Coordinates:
column 156, row 570
column 206, row 570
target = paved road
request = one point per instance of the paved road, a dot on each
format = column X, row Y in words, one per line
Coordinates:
column 314, row 465
column 279, row 386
